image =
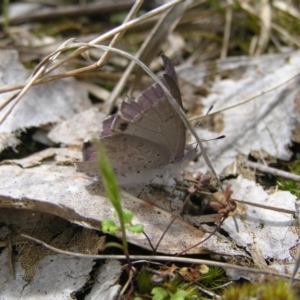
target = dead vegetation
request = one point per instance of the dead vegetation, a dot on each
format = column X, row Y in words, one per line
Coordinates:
column 62, row 74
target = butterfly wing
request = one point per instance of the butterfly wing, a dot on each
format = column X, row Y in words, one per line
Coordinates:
column 152, row 117
column 133, row 160
column 144, row 136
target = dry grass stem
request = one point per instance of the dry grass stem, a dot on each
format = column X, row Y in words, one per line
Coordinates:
column 117, row 30
column 157, row 258
column 119, row 35
column 261, row 93
column 147, row 50
column 273, row 171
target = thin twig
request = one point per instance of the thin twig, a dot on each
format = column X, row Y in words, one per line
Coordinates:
column 10, row 259
column 37, row 73
column 212, row 295
column 65, row 11
column 274, row 171
column 116, row 30
column 296, row 268
column 129, row 279
column 227, row 29
column 205, row 239
column 171, row 222
column 119, row 35
column 265, row 17
column 67, row 74
column 278, row 28
column 159, row 258
column 269, row 207
column 18, row 95
column 153, row 39
column 261, row 93
column 111, row 33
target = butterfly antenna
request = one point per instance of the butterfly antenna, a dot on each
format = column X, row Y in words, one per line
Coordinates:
column 216, row 138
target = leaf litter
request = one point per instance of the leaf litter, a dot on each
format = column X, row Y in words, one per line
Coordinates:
column 42, row 105
column 263, row 125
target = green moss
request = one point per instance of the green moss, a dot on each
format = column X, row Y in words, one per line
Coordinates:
column 290, row 185
column 275, row 290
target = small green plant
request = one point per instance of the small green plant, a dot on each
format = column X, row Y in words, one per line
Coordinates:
column 109, row 226
column 166, row 286
column 144, row 283
column 160, row 293
column 213, row 278
column 125, row 216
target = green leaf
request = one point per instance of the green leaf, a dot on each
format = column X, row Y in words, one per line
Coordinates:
column 127, row 215
column 114, row 245
column 111, row 189
column 109, row 226
column 180, row 295
column 108, row 179
column 159, row 293
column 137, row 228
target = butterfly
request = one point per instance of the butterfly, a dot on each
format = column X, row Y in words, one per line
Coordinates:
column 145, row 139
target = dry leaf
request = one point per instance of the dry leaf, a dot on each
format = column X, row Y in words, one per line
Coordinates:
column 264, row 124
column 63, row 192
column 41, row 105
